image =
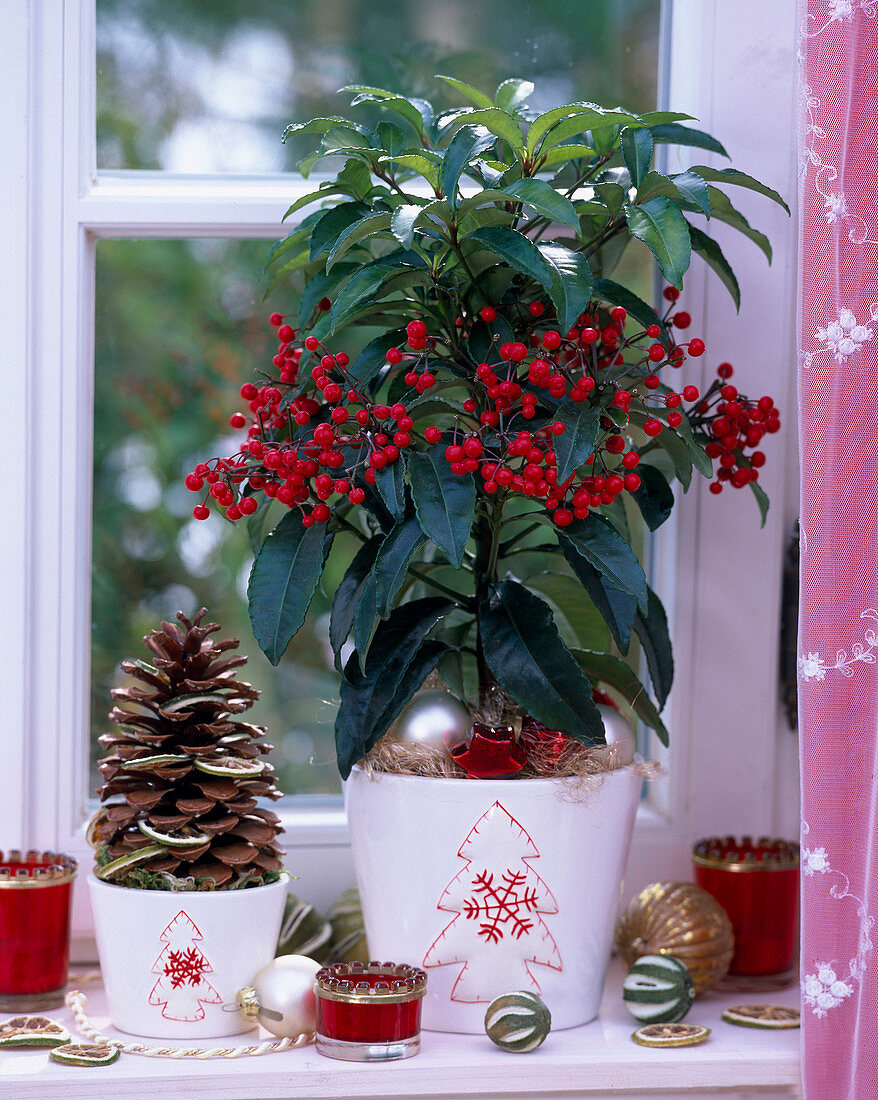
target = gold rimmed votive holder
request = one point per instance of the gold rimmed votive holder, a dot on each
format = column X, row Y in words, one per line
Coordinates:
column 369, row 1012
column 35, row 889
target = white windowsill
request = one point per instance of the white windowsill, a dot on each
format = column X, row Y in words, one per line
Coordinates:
column 596, row 1061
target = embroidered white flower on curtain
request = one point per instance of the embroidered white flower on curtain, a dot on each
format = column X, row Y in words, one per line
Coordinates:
column 823, row 990
column 844, row 336
column 836, row 207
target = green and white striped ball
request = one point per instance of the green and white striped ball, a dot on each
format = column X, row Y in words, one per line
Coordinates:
column 658, row 989
column 518, row 1021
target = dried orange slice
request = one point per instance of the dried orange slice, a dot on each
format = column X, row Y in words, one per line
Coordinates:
column 231, row 766
column 32, row 1031
column 85, row 1054
column 671, row 1035
column 767, row 1016
column 106, row 872
column 178, row 838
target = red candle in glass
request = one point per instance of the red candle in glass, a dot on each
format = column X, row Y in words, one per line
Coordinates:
column 34, row 929
column 369, row 1012
column 758, row 886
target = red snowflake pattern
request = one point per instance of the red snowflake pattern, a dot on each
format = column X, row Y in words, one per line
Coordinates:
column 500, row 905
column 185, row 966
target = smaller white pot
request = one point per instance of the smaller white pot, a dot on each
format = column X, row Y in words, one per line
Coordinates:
column 172, row 963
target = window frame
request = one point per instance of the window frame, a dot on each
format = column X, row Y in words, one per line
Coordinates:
column 58, row 206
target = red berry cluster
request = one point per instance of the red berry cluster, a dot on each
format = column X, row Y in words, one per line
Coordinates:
column 321, row 438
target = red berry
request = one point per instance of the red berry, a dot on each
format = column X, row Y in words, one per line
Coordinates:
column 432, row 435
column 286, row 333
column 671, row 294
column 675, row 419
column 656, row 353
column 488, row 314
column 563, row 517
column 551, row 340
column 725, row 370
column 619, row 313
column 472, row 447
column 312, row 343
column 247, row 505
column 356, row 496
column 275, row 319
column 715, row 488
column 249, row 391
column 652, row 427
column 193, row 483
column 681, row 319
column 416, row 330
column 632, row 482
column 690, row 393
column 517, row 352
column 654, row 332
column 200, row 511
column 536, row 309
column 630, row 460
column 394, row 356
column 696, row 347
column 588, row 335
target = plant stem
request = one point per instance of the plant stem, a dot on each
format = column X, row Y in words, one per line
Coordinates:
column 487, row 538
column 462, row 601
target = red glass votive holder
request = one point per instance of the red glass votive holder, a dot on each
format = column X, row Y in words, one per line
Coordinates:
column 34, row 929
column 758, row 886
column 369, row 1012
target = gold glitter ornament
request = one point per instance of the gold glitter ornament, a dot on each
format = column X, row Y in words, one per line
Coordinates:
column 682, row 920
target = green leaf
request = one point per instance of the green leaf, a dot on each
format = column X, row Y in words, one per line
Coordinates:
column 392, row 562
column 445, row 502
column 412, row 110
column 347, row 595
column 466, row 144
column 713, row 256
column 366, row 621
column 738, row 179
column 501, row 125
column 612, row 195
column 664, row 230
column 390, row 483
column 637, row 146
column 686, row 186
column 562, row 153
column 333, row 223
column 654, row 118
column 618, row 295
column 561, row 123
column 652, row 629
column 525, row 653
column 319, row 286
column 403, row 222
column 374, row 356
column 761, row 500
column 422, row 163
column 257, row 523
column 571, row 282
column 542, row 197
column 654, row 498
column 617, row 609
column 471, row 93
column 604, row 548
column 322, row 126
column 367, row 695
column 578, row 620
column 306, row 200
column 392, row 139
column 700, row 460
column 366, row 227
column 582, row 424
column 368, row 281
column 612, row 671
column 512, row 93
column 722, row 210
column 677, row 450
column 672, row 134
column 282, row 582
column 516, row 249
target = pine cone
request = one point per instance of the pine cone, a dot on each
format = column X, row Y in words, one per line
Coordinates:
column 187, row 771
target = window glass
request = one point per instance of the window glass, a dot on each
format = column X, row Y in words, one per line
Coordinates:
column 179, row 326
column 189, row 86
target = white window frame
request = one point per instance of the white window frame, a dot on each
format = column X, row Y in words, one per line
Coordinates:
column 732, row 765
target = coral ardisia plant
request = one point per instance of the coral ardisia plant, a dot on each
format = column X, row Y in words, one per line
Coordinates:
column 184, row 772
column 474, row 414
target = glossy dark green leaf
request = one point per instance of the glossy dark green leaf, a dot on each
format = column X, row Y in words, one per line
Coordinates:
column 512, row 93
column 485, row 339
column 571, row 283
column 501, row 124
column 471, row 93
column 258, row 523
column 677, row 450
column 403, row 223
column 347, row 595
column 321, row 126
column 563, row 153
column 700, row 460
column 721, row 209
column 416, row 112
column 652, row 630
column 603, row 547
column 664, row 230
column 712, row 254
column 374, row 356
column 654, row 498
column 562, row 123
column 531, row 663
column 737, row 179
column 464, row 147
column 516, row 250
column 423, row 162
column 392, row 562
column 544, row 199
column 368, row 281
column 637, row 146
column 670, row 133
column 761, row 500
column 367, row 695
column 333, row 223
column 445, row 502
column 282, row 582
column 618, row 295
column 366, row 620
column 686, row 186
column 617, row 609
column 579, row 622
column 391, row 138
column 360, row 230
column 582, row 424
column 610, row 670
column 655, row 118
column 319, row 286
column 390, row 483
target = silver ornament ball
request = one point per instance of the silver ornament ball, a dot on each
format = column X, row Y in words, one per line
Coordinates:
column 282, row 996
column 433, row 718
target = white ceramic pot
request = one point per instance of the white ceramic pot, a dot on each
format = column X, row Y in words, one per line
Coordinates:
column 493, row 886
column 172, row 961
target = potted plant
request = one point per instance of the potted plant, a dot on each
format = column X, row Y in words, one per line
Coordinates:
column 187, row 893
column 485, row 462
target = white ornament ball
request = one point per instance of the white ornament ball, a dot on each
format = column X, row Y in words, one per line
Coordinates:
column 285, row 994
column 434, row 718
column 618, row 733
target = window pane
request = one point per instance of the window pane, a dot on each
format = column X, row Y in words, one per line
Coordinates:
column 190, row 86
column 179, row 326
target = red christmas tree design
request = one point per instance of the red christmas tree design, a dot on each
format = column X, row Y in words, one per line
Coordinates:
column 498, row 900
column 182, row 988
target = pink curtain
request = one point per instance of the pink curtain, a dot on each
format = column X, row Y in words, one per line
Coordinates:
column 838, row 644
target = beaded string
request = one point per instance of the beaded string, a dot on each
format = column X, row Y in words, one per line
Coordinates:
column 77, row 1002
